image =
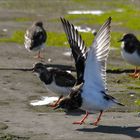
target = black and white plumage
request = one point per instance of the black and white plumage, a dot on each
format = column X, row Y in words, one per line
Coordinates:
column 92, row 94
column 78, row 48
column 130, row 51
column 35, row 38
column 55, row 79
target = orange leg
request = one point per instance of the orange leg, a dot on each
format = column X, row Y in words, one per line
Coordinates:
column 136, row 74
column 55, row 104
column 98, row 119
column 38, row 56
column 83, row 119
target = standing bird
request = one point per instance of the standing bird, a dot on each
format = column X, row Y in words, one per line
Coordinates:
column 91, row 95
column 57, row 80
column 130, row 51
column 35, row 38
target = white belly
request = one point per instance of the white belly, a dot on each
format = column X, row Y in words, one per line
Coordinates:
column 133, row 59
column 59, row 90
column 95, row 102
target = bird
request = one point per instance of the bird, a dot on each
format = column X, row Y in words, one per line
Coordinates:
column 91, row 95
column 130, row 51
column 55, row 79
column 35, row 38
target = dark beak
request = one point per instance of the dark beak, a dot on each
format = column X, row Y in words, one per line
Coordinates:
column 120, row 40
column 57, row 107
column 33, row 70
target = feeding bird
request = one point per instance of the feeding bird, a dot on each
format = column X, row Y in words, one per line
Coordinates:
column 130, row 51
column 35, row 38
column 91, row 95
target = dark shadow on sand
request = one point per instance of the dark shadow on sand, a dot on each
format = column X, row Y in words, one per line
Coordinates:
column 76, row 112
column 131, row 131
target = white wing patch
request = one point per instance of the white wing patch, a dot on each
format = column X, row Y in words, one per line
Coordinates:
column 95, row 69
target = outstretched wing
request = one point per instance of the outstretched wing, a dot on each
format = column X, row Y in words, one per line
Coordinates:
column 77, row 46
column 95, row 67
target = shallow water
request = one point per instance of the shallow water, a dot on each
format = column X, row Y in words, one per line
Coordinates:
column 93, row 12
column 80, row 29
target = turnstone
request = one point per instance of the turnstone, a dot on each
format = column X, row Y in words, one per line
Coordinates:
column 35, row 38
column 91, row 95
column 130, row 51
column 56, row 80
column 78, row 48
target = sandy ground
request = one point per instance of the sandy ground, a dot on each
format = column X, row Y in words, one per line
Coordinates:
column 22, row 122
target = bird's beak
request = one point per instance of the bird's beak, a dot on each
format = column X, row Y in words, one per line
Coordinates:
column 33, row 70
column 57, row 107
column 120, row 40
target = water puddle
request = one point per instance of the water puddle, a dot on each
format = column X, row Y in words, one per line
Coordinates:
column 119, row 10
column 80, row 29
column 68, row 53
column 93, row 12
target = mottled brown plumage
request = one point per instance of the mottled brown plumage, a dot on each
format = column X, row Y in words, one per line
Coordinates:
column 35, row 37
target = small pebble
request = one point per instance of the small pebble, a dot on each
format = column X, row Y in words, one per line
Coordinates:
column 5, row 30
column 49, row 60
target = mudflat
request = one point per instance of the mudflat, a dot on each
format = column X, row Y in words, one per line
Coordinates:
column 19, row 120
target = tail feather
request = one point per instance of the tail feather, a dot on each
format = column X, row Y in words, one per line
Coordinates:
column 109, row 97
column 118, row 103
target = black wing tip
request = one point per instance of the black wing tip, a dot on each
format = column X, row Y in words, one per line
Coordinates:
column 109, row 20
column 62, row 18
column 120, row 104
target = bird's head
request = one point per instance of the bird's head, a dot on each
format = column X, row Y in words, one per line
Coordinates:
column 39, row 68
column 128, row 38
column 73, row 100
column 38, row 23
column 66, row 103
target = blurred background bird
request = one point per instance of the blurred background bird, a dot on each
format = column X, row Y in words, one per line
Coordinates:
column 130, row 51
column 35, row 38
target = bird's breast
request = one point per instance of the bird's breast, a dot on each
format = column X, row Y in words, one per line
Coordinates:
column 132, row 58
column 58, row 89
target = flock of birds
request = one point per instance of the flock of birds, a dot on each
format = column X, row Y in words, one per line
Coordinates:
column 88, row 91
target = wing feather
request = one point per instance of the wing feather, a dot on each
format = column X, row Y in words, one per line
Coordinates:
column 77, row 46
column 74, row 38
column 95, row 68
